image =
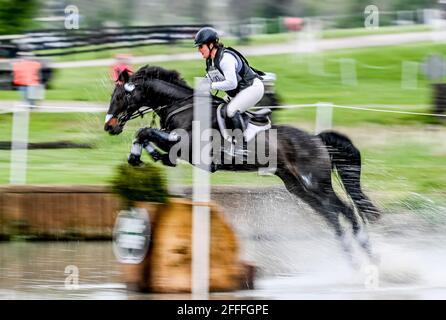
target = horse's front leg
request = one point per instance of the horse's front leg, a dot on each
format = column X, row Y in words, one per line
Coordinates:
column 144, row 138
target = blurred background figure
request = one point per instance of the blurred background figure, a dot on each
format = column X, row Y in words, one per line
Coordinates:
column 122, row 63
column 27, row 77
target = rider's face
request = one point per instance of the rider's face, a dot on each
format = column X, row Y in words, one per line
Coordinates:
column 205, row 51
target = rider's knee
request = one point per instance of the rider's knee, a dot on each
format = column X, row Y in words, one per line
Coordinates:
column 230, row 112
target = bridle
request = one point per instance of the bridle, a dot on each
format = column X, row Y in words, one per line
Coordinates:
column 140, row 112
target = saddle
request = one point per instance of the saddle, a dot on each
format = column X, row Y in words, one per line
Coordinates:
column 255, row 122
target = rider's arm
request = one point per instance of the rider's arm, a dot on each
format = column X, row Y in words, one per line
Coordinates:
column 228, row 65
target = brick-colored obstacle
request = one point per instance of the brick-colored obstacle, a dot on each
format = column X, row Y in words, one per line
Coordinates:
column 57, row 212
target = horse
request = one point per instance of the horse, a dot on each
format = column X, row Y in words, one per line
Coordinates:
column 305, row 162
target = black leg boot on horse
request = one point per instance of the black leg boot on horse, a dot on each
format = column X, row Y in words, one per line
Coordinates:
column 144, row 137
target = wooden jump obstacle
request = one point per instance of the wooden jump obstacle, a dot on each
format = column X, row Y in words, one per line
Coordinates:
column 57, row 212
column 167, row 267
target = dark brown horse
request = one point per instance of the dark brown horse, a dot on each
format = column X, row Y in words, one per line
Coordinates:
column 304, row 162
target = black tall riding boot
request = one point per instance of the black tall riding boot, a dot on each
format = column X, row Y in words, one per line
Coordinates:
column 237, row 121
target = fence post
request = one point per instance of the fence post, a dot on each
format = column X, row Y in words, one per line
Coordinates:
column 409, row 74
column 19, row 145
column 308, row 45
column 348, row 72
column 439, row 90
column 324, row 116
column 201, row 191
column 433, row 17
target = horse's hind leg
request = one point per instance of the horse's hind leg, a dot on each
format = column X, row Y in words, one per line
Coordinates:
column 321, row 204
column 331, row 200
column 331, row 206
column 359, row 231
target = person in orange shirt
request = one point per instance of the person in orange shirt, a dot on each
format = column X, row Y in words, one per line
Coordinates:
column 122, row 63
column 26, row 74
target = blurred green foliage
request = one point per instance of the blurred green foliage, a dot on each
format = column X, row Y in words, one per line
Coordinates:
column 414, row 4
column 16, row 16
column 143, row 183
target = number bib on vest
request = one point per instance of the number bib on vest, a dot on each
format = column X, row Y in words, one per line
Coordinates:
column 215, row 75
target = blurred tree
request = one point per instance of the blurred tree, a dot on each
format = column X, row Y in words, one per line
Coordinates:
column 241, row 10
column 273, row 9
column 199, row 10
column 328, row 8
column 99, row 13
column 355, row 14
column 126, row 11
column 414, row 4
column 16, row 16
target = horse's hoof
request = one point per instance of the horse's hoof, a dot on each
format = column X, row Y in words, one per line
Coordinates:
column 213, row 167
column 166, row 161
column 134, row 160
column 156, row 156
column 373, row 216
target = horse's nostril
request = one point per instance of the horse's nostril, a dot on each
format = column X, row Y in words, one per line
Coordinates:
column 107, row 127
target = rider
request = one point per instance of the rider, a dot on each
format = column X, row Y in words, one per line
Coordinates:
column 229, row 71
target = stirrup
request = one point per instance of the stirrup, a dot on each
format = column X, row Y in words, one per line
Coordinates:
column 231, row 151
column 234, row 151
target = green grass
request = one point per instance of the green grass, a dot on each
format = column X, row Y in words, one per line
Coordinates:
column 405, row 167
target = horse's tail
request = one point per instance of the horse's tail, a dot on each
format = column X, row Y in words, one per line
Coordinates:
column 346, row 158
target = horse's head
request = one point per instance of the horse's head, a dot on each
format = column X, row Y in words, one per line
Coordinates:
column 150, row 86
column 127, row 97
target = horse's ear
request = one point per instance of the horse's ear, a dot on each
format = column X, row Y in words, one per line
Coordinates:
column 124, row 76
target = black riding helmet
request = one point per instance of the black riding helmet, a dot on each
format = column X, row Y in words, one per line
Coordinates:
column 206, row 35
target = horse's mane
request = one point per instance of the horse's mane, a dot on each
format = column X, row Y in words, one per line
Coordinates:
column 158, row 73
column 154, row 72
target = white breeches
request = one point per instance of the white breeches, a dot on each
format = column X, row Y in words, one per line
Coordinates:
column 247, row 98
